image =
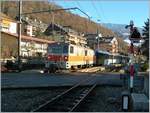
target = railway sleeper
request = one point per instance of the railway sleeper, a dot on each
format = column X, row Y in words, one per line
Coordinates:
column 74, row 103
column 77, row 100
column 85, row 91
column 83, row 94
column 80, row 96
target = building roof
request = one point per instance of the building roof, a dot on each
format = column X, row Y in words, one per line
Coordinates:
column 59, row 28
column 30, row 38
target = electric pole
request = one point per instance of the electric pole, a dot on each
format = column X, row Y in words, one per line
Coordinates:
column 19, row 35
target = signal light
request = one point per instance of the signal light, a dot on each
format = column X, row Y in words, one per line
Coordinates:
column 135, row 34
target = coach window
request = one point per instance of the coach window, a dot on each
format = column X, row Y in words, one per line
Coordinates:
column 71, row 49
column 85, row 52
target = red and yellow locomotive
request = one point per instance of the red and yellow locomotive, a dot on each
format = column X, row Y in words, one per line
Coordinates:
column 66, row 56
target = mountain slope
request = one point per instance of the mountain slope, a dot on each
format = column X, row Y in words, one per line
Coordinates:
column 119, row 29
column 64, row 18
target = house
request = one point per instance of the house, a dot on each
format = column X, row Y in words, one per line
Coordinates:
column 109, row 44
column 32, row 27
column 91, row 40
column 66, row 33
column 30, row 46
column 8, row 24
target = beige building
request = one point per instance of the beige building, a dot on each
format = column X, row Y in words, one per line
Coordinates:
column 7, row 24
column 114, row 43
column 67, row 34
column 76, row 39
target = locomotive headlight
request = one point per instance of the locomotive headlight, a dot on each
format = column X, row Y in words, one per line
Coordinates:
column 66, row 57
column 49, row 57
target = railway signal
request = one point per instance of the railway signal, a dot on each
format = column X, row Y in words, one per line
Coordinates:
column 134, row 37
column 98, row 39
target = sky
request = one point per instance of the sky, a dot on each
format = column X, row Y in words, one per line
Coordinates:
column 110, row 11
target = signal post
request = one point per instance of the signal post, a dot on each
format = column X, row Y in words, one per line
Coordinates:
column 134, row 38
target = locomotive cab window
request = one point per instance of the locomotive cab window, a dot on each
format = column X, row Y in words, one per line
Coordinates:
column 71, row 49
column 65, row 49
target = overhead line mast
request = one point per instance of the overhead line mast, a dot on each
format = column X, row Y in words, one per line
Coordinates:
column 19, row 36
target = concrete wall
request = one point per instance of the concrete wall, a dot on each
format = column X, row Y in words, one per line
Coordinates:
column 146, row 85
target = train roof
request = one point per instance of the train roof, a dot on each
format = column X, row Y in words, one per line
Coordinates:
column 110, row 54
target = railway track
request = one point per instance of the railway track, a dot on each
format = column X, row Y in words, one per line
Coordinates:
column 68, row 101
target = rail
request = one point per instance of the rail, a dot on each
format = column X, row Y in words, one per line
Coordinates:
column 67, row 101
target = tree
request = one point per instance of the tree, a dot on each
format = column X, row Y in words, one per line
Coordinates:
column 145, row 45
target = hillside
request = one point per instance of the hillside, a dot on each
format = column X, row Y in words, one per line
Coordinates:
column 119, row 29
column 64, row 18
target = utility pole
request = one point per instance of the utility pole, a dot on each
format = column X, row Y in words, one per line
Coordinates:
column 19, row 35
column 98, row 36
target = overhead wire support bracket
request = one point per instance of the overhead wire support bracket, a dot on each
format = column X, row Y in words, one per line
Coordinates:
column 83, row 13
column 56, row 10
column 53, row 10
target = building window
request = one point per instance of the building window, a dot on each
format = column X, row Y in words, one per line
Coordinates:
column 71, row 49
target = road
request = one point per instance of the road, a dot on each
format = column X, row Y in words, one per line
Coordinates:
column 37, row 79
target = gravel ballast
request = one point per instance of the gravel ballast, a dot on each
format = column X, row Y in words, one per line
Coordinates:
column 26, row 99
column 104, row 98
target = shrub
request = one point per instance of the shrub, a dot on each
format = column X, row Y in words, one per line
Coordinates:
column 144, row 67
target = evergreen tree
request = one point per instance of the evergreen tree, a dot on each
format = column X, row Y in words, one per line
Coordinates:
column 145, row 45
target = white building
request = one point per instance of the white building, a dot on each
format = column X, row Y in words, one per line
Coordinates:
column 33, row 46
column 29, row 30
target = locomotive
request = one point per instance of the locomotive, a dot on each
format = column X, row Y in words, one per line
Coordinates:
column 67, row 56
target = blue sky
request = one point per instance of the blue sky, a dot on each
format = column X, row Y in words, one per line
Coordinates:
column 110, row 11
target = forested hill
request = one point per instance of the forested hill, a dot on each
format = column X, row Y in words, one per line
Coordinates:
column 64, row 18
